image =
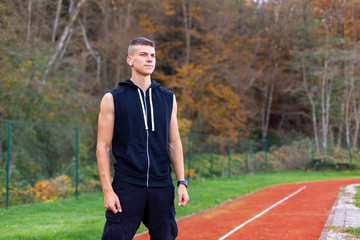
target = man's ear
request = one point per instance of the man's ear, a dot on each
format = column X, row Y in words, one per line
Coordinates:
column 129, row 60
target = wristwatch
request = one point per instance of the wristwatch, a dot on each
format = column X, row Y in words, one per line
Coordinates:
column 182, row 182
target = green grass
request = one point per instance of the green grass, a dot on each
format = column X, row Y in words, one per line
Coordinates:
column 84, row 219
column 354, row 231
column 357, row 197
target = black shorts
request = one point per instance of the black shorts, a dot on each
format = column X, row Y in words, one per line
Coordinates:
column 154, row 206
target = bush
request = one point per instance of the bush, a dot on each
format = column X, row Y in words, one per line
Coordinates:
column 201, row 163
column 89, row 179
column 41, row 191
column 48, row 190
column 294, row 156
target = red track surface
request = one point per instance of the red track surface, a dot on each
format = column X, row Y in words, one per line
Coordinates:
column 302, row 216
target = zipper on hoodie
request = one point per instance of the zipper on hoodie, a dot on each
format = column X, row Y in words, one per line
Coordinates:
column 147, row 145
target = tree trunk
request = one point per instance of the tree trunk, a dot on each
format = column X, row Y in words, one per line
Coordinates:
column 357, row 124
column 340, row 127
column 269, row 86
column 267, row 105
column 126, row 24
column 313, row 106
column 61, row 42
column 29, row 22
column 326, row 87
column 92, row 52
column 105, row 39
column 187, row 19
column 63, row 51
column 56, row 21
column 349, row 87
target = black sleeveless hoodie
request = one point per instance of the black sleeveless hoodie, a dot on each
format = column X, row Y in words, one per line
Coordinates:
column 141, row 132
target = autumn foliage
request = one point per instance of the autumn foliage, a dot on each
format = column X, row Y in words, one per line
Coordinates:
column 42, row 191
column 48, row 190
column 236, row 67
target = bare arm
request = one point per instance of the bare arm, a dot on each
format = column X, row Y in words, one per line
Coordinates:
column 105, row 135
column 176, row 155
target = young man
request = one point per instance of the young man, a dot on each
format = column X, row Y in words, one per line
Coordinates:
column 138, row 118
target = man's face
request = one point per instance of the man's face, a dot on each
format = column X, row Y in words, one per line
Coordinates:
column 144, row 59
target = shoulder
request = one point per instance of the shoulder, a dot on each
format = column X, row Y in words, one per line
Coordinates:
column 107, row 103
column 117, row 90
column 166, row 91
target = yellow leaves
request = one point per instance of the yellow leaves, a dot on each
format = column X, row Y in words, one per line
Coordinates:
column 236, row 43
column 52, row 116
column 168, row 9
column 45, row 190
column 48, row 190
column 184, row 125
column 203, row 92
column 191, row 173
column 221, row 109
column 25, row 66
column 146, row 22
column 338, row 17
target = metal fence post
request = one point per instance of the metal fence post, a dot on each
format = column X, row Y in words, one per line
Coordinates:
column 251, row 156
column 350, row 156
column 312, row 154
column 77, row 163
column 8, row 166
column 246, row 155
column 265, row 155
column 189, row 155
column 211, row 156
column 229, row 154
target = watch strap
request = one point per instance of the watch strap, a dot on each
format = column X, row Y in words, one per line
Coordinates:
column 182, row 182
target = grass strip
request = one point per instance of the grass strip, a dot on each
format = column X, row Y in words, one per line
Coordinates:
column 84, row 219
column 354, row 231
column 357, row 197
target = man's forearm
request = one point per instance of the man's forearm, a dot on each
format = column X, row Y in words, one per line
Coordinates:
column 103, row 162
column 177, row 159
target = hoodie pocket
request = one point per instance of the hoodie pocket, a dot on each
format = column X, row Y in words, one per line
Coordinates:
column 160, row 160
column 136, row 157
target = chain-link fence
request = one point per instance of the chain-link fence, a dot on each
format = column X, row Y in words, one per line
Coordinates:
column 209, row 156
column 41, row 162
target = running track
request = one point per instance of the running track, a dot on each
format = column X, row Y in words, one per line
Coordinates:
column 291, row 211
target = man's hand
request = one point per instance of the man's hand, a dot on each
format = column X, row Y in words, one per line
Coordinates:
column 112, row 202
column 183, row 195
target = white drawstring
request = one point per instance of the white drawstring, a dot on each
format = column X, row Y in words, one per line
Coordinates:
column 152, row 113
column 143, row 109
column 151, row 109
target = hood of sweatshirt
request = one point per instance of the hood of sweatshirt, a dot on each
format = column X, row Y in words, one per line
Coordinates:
column 154, row 85
column 128, row 82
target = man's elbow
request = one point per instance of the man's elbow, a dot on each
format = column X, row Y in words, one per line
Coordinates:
column 175, row 145
column 102, row 149
column 171, row 146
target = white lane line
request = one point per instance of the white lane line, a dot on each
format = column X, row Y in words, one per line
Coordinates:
column 262, row 213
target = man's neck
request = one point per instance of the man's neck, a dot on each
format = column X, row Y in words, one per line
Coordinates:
column 143, row 82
